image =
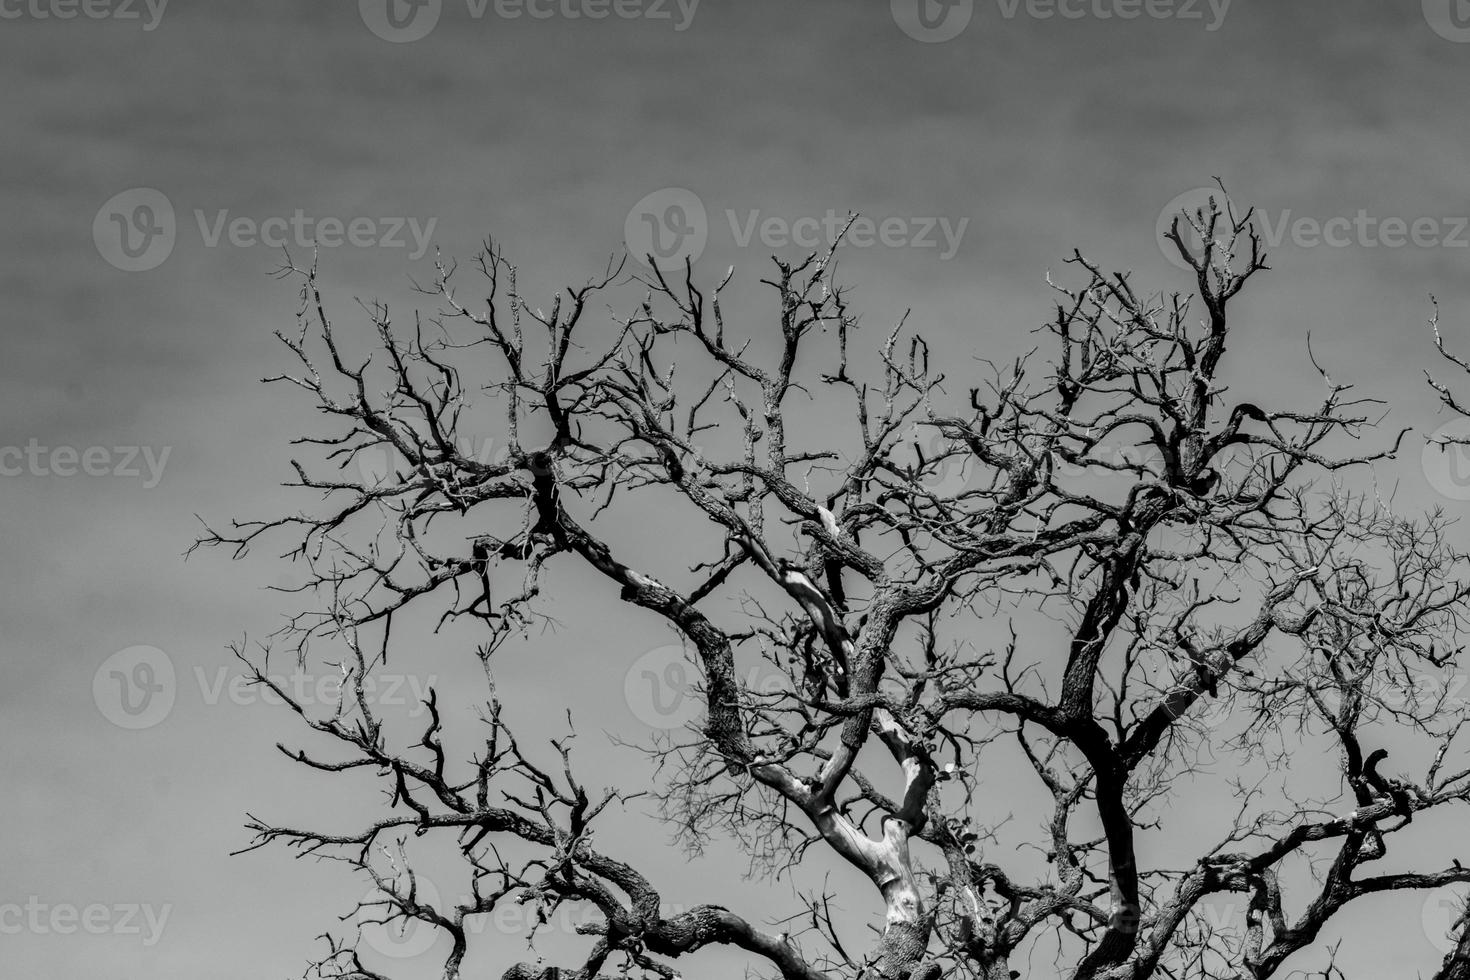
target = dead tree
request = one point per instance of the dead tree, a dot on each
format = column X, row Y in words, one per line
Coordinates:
column 1071, row 568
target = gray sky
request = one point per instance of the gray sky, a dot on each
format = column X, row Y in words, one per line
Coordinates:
column 1023, row 136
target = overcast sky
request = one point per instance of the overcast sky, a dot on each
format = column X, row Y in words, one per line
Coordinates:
column 153, row 153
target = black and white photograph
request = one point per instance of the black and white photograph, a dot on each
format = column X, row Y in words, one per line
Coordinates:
column 735, row 490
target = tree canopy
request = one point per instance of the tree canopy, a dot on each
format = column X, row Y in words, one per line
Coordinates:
column 1091, row 561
